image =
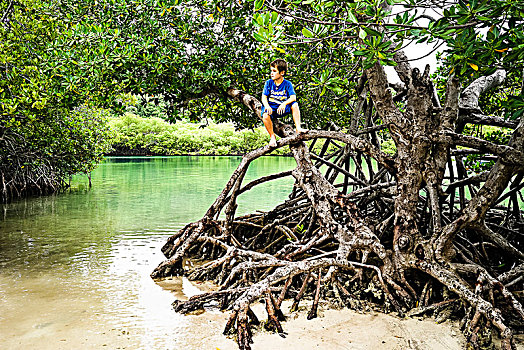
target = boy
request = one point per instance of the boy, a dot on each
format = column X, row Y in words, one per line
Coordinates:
column 279, row 99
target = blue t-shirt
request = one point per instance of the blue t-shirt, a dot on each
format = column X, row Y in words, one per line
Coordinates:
column 278, row 94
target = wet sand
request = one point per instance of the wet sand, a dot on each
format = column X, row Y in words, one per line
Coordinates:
column 49, row 313
column 342, row 329
column 348, row 330
column 33, row 317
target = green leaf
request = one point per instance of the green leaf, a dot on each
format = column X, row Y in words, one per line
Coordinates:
column 352, row 17
column 463, row 69
column 259, row 19
column 266, row 18
column 337, row 89
column 368, row 65
column 259, row 37
column 389, row 62
column 372, row 32
column 274, row 17
column 307, row 33
column 259, row 4
column 516, row 115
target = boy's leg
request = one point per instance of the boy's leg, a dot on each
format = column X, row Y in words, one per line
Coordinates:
column 266, row 118
column 296, row 117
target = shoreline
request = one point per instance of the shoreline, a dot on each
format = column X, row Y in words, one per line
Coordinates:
column 85, row 324
column 122, row 155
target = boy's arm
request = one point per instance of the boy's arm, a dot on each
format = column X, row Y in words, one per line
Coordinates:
column 291, row 99
column 282, row 107
column 265, row 102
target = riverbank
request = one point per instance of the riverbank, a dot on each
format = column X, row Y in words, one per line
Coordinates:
column 343, row 329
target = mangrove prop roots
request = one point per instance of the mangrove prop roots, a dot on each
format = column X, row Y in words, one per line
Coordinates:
column 359, row 224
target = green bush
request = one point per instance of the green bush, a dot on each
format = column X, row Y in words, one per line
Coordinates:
column 136, row 135
column 38, row 155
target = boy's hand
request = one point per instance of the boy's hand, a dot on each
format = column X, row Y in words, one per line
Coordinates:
column 281, row 109
column 269, row 110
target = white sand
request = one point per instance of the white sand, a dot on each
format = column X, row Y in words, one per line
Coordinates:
column 343, row 330
column 78, row 321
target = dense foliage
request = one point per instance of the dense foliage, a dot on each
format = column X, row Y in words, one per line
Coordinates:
column 134, row 135
column 43, row 139
column 479, row 37
column 179, row 49
column 58, row 55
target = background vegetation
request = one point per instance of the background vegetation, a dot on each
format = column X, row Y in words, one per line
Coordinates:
column 147, row 129
column 134, row 135
column 56, row 56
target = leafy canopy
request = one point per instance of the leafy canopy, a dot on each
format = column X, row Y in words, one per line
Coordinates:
column 475, row 39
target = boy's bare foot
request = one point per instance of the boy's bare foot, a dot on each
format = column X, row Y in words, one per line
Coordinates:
column 301, row 130
column 273, row 141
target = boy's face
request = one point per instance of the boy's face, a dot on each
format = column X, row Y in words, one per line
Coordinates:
column 275, row 74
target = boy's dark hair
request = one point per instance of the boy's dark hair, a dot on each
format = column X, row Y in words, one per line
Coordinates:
column 279, row 64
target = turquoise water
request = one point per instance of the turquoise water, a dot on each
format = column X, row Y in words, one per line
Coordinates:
column 82, row 259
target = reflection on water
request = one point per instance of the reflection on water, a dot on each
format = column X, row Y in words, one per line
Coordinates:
column 74, row 268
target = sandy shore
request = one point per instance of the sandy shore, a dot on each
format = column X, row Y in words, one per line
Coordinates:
column 346, row 329
column 76, row 322
column 333, row 329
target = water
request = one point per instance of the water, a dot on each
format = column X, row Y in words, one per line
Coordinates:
column 74, row 268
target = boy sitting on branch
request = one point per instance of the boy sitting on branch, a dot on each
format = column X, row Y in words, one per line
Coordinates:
column 279, row 100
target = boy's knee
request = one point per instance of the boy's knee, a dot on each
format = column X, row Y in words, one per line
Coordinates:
column 266, row 117
column 294, row 107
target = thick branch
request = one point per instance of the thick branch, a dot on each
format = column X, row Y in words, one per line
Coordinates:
column 509, row 154
column 496, row 238
column 476, row 209
column 403, row 67
column 479, row 118
column 247, row 100
column 511, row 274
column 470, row 96
column 382, row 98
column 263, row 179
